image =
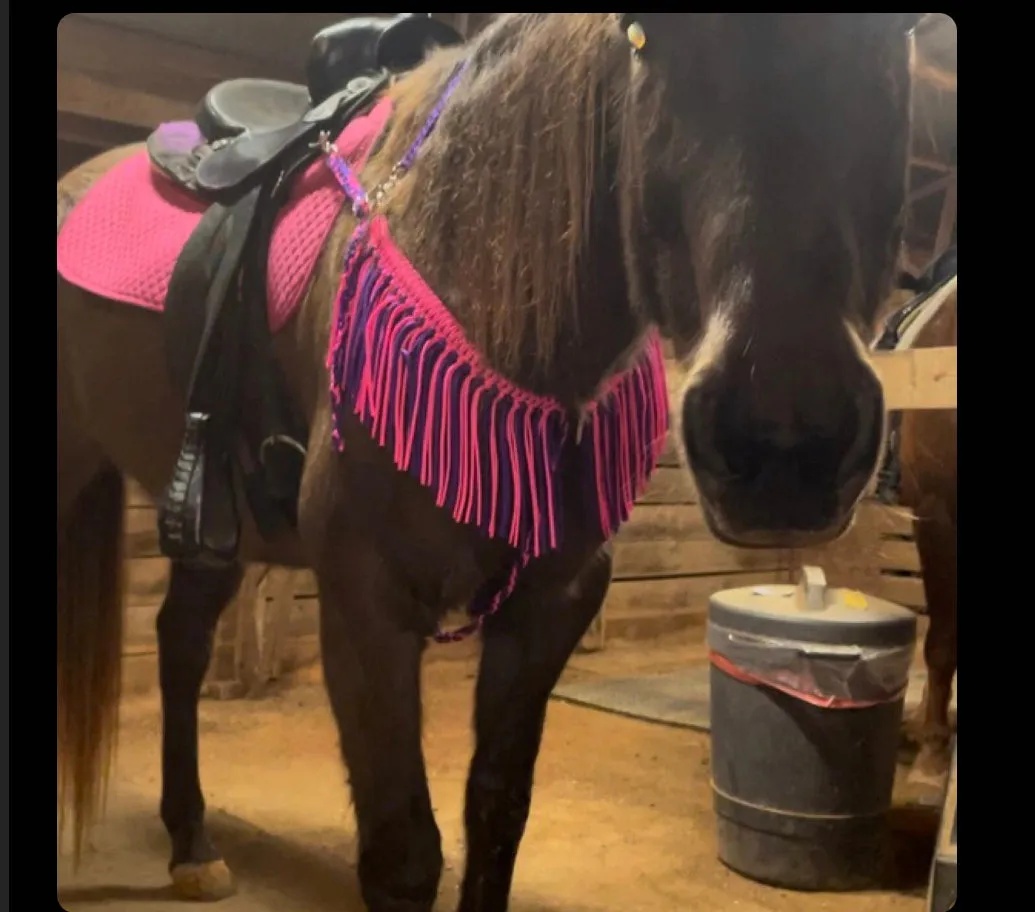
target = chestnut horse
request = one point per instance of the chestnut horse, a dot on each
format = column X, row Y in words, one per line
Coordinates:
column 927, row 458
column 735, row 180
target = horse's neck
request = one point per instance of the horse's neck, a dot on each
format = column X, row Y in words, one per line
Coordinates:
column 593, row 336
column 566, row 352
column 510, row 213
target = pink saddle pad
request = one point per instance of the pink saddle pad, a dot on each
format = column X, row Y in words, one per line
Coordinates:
column 122, row 239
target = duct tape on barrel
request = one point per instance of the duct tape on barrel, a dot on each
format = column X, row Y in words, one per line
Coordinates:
column 832, row 647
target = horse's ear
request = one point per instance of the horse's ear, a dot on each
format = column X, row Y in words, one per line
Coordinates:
column 909, row 21
column 892, row 23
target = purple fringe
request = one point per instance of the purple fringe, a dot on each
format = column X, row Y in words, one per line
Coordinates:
column 488, row 450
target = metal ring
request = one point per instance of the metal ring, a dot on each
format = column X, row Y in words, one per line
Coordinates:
column 280, row 438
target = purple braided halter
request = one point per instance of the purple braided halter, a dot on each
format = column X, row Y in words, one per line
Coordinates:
column 362, row 203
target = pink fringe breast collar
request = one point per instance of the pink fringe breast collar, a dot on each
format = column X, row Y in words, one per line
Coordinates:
column 488, row 450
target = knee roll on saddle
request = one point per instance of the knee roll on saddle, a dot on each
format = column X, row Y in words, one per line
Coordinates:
column 367, row 44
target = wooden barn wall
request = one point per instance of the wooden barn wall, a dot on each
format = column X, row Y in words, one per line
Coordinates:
column 120, row 74
column 114, row 85
column 666, row 566
column 877, row 555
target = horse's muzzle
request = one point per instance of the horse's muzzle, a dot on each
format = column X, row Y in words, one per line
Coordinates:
column 778, row 474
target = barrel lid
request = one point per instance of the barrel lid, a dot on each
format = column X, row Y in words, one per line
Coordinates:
column 814, row 612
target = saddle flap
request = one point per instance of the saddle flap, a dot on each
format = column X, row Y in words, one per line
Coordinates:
column 244, row 160
column 176, row 149
column 189, row 304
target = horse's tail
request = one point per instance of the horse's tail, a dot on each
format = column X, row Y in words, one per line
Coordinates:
column 89, row 649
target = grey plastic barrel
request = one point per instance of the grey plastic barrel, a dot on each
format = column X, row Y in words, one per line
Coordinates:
column 807, row 690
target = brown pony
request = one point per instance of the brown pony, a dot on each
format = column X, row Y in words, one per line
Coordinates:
column 738, row 180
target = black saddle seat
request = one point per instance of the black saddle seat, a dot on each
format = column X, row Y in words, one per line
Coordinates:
column 251, row 105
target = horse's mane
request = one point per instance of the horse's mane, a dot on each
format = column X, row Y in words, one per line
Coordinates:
column 524, row 132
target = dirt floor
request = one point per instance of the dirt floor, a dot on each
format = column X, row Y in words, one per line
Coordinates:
column 621, row 816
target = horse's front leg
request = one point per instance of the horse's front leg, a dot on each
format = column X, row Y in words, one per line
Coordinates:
column 526, row 647
column 186, row 624
column 371, row 660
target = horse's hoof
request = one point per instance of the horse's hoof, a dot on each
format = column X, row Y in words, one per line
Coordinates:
column 932, row 763
column 205, row 882
column 908, row 741
column 928, row 775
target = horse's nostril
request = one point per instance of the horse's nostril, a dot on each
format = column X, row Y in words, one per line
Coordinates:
column 748, row 459
column 860, row 456
column 733, row 439
column 812, row 460
column 699, row 431
column 787, row 440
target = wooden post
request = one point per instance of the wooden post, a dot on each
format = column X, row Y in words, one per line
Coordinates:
column 249, row 645
column 594, row 639
column 941, row 892
column 947, row 220
column 272, row 616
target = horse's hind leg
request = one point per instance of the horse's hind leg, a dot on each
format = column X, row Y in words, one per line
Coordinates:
column 936, row 543
column 186, row 624
column 371, row 667
column 525, row 650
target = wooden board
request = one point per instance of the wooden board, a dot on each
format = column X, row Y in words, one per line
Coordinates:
column 631, row 598
column 664, row 522
column 920, row 378
column 907, row 591
column 645, row 560
column 266, row 38
column 138, row 627
column 107, row 74
column 146, row 580
column 670, row 484
column 670, row 456
column 877, row 555
column 666, row 561
column 88, row 96
column 941, row 893
column 634, row 608
column 141, row 531
column 660, row 542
